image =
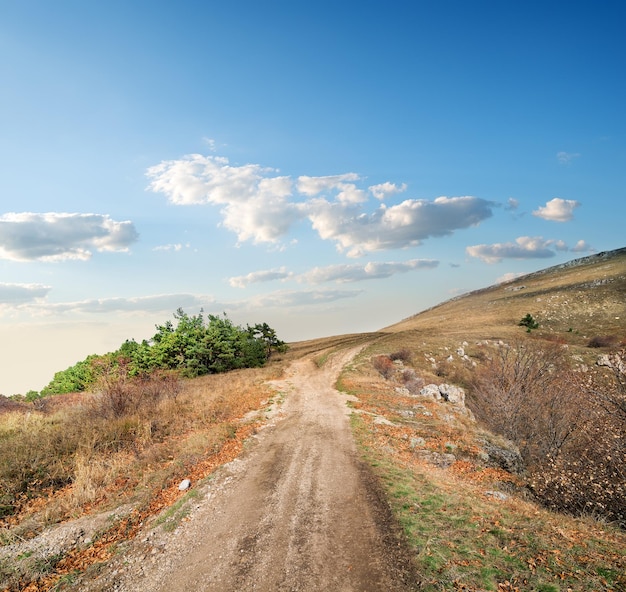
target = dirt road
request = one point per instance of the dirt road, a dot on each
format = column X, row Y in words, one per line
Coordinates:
column 298, row 512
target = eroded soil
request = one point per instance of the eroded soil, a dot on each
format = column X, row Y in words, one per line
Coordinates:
column 298, row 511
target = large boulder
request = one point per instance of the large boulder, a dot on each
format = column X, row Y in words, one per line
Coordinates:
column 431, row 391
column 447, row 392
column 452, row 394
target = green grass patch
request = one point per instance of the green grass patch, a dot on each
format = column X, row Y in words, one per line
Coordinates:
column 172, row 517
column 460, row 538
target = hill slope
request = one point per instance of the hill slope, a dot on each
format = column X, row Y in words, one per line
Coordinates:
column 586, row 295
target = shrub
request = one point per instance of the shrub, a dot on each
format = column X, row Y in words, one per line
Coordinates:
column 194, row 347
column 119, row 393
column 571, row 433
column 77, row 378
column 529, row 322
column 526, row 392
column 590, row 475
column 384, row 365
column 404, row 355
column 602, row 341
column 411, row 381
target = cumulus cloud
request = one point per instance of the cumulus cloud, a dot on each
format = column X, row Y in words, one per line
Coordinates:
column 403, row 225
column 342, row 185
column 566, row 157
column 18, row 294
column 254, row 202
column 581, row 247
column 256, row 277
column 260, row 206
column 524, row 247
column 557, row 210
column 387, row 189
column 369, row 271
column 315, row 185
column 57, row 236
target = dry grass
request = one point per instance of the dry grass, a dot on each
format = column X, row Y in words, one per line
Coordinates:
column 90, row 460
column 471, row 523
column 78, row 459
column 439, row 466
column 574, row 303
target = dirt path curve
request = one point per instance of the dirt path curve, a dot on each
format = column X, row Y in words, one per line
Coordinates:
column 298, row 512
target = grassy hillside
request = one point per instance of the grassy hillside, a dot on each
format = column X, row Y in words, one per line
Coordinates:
column 473, row 508
column 459, row 490
column 574, row 301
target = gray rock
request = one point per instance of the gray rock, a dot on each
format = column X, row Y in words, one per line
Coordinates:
column 443, row 461
column 507, row 458
column 452, row 394
column 431, row 390
column 417, row 443
column 497, row 495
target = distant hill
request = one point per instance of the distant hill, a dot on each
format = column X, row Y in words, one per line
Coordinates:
column 572, row 302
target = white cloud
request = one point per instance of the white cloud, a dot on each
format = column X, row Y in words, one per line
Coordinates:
column 260, row 207
column 512, row 204
column 508, row 277
column 386, row 189
column 256, row 277
column 210, row 142
column 311, row 186
column 171, row 247
column 581, row 247
column 399, row 226
column 30, row 300
column 17, row 294
column 166, row 303
column 336, row 273
column 60, row 236
column 255, row 205
column 369, row 271
column 566, row 157
column 300, row 298
column 524, row 247
column 557, row 210
column 560, row 245
column 346, row 191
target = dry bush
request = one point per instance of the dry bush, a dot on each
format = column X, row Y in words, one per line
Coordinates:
column 404, row 355
column 527, row 393
column 603, row 341
column 118, row 394
column 411, row 381
column 384, row 365
column 589, row 476
column 33, row 455
column 114, row 435
column 571, row 434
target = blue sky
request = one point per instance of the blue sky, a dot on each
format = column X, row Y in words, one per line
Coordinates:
column 326, row 167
